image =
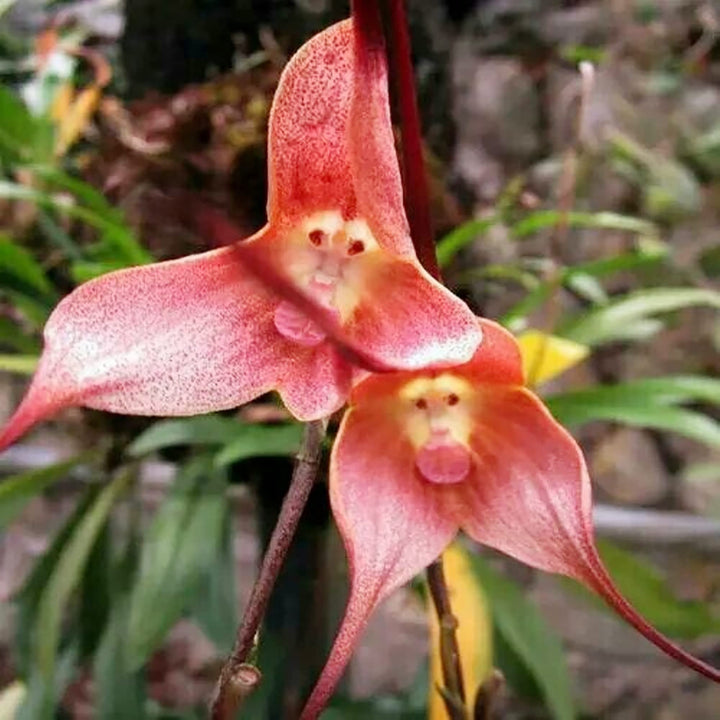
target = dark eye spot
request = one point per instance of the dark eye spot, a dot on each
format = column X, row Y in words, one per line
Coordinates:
column 316, row 237
column 421, row 404
column 356, row 247
column 452, row 399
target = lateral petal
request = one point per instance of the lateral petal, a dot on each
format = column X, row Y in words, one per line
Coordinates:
column 530, row 497
column 176, row 338
column 392, row 522
column 403, row 319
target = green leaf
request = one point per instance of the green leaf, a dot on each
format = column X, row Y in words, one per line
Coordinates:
column 12, row 337
column 261, row 441
column 184, row 538
column 648, row 252
column 95, row 593
column 459, row 238
column 19, row 364
column 20, row 270
column 17, row 127
column 16, row 491
column 198, row 430
column 543, row 219
column 28, row 599
column 620, row 319
column 650, row 594
column 66, row 574
column 575, row 409
column 668, row 390
column 522, row 627
column 216, row 607
column 115, row 236
column 120, row 691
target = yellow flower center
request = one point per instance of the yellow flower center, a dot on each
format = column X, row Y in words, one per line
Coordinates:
column 323, row 256
column 438, row 423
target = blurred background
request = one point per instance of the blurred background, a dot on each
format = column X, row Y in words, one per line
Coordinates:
column 582, row 207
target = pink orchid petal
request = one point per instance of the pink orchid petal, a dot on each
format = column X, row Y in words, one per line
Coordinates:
column 177, row 338
column 330, row 141
column 497, row 360
column 309, row 164
column 407, row 320
column 404, row 319
column 530, row 497
column 391, row 520
column 444, row 462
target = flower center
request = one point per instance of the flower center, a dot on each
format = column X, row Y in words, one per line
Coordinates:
column 438, row 425
column 322, row 257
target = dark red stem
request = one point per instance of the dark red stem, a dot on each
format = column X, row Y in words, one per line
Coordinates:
column 417, row 195
column 368, row 22
column 231, row 686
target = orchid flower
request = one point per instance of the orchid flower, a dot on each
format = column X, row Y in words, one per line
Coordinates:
column 332, row 277
column 421, row 455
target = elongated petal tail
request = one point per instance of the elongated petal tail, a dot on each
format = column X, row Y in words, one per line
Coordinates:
column 530, row 497
column 178, row 338
column 391, row 522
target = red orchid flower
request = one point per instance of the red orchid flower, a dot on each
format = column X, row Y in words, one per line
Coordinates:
column 332, row 276
column 421, row 455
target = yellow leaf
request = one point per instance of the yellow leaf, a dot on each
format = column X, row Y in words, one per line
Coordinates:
column 474, row 633
column 76, row 118
column 547, row 356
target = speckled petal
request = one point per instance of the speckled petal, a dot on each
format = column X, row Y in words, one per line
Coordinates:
column 530, row 497
column 330, row 142
column 391, row 520
column 176, row 338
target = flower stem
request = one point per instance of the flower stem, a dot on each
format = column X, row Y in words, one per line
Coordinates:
column 226, row 699
column 453, row 692
column 417, row 195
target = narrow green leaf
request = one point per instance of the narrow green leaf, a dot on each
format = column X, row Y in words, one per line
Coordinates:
column 216, row 607
column 120, row 691
column 19, row 267
column 573, row 411
column 16, row 491
column 28, row 599
column 647, row 590
column 521, row 627
column 184, row 538
column 66, row 574
column 261, row 441
column 459, row 238
column 648, row 253
column 13, row 338
column 668, row 390
column 524, row 630
column 198, row 430
column 617, row 320
column 19, row 364
column 543, row 219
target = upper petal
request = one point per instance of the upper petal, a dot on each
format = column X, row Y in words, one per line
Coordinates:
column 530, row 497
column 309, row 163
column 330, row 142
column 176, row 338
column 392, row 522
